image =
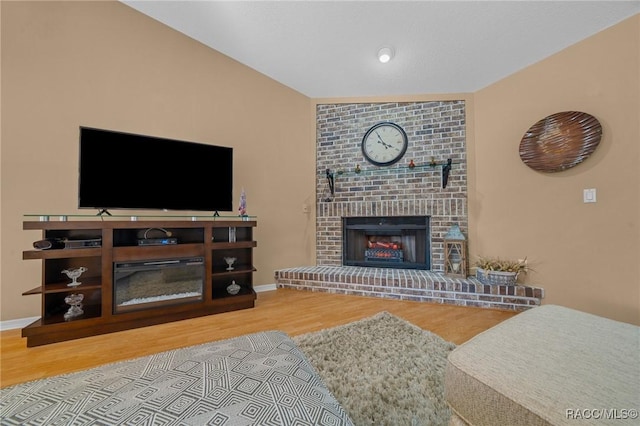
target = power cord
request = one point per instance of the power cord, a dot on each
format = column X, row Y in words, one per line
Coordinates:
column 166, row 233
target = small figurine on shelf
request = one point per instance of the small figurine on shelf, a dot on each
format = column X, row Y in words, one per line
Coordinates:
column 242, row 208
column 411, row 164
column 358, row 170
column 433, row 162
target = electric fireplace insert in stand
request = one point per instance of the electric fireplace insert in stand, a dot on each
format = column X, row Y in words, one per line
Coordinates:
column 142, row 285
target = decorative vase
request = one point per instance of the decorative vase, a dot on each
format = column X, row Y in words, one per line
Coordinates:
column 233, row 288
column 75, row 301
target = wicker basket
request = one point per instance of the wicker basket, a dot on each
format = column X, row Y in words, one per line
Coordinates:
column 496, row 277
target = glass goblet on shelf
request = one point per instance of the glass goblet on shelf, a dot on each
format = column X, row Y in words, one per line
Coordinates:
column 230, row 261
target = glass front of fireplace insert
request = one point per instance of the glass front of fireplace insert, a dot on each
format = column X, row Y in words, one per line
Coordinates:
column 149, row 284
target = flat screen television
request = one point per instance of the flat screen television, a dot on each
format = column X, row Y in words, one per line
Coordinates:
column 127, row 171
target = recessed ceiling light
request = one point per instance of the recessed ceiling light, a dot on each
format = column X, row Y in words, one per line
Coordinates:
column 385, row 54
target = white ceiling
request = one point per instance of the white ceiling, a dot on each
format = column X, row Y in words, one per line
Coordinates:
column 328, row 48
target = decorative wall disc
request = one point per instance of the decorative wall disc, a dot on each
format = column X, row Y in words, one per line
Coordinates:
column 560, row 141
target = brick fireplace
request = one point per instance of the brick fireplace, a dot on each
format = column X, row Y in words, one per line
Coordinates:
column 437, row 133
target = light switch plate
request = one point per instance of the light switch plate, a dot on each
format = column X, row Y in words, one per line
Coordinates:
column 589, row 195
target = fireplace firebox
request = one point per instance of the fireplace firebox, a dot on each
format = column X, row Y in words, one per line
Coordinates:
column 386, row 242
column 140, row 285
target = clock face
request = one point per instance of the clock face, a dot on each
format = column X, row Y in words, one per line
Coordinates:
column 384, row 144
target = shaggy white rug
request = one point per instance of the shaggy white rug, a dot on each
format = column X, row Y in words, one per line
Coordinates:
column 383, row 370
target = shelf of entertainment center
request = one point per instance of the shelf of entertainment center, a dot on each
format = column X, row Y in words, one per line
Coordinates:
column 236, row 245
column 61, row 253
column 134, row 217
column 211, row 239
column 92, row 313
column 220, row 296
column 63, row 287
column 157, row 252
column 237, row 271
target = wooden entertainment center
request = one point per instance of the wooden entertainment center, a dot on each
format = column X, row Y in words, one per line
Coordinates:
column 103, row 246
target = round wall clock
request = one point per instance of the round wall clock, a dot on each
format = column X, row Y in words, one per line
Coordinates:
column 384, row 144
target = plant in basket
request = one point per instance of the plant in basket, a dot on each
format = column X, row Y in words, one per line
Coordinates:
column 493, row 270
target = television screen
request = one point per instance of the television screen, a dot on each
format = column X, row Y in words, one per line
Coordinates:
column 128, row 171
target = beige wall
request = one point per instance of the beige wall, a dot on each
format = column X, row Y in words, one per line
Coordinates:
column 105, row 65
column 586, row 256
column 102, row 64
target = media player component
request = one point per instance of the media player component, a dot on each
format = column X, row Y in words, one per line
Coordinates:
column 157, row 241
column 72, row 244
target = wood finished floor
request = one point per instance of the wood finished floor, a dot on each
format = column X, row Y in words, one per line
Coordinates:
column 292, row 311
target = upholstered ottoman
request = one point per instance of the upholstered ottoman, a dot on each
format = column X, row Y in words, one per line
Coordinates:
column 547, row 366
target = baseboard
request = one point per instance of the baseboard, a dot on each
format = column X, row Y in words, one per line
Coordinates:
column 16, row 323
column 23, row 322
column 264, row 287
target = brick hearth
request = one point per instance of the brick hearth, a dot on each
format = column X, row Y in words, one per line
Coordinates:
column 405, row 284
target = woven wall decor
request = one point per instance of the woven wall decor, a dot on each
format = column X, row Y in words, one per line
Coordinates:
column 560, row 141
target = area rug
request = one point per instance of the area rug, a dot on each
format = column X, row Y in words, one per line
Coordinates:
column 383, row 370
column 378, row 371
column 258, row 379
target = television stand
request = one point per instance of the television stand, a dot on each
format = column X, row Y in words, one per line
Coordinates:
column 113, row 299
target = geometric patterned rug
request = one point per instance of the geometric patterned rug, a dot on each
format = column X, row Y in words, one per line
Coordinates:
column 256, row 379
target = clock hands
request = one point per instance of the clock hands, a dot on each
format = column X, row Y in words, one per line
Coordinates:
column 386, row 145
